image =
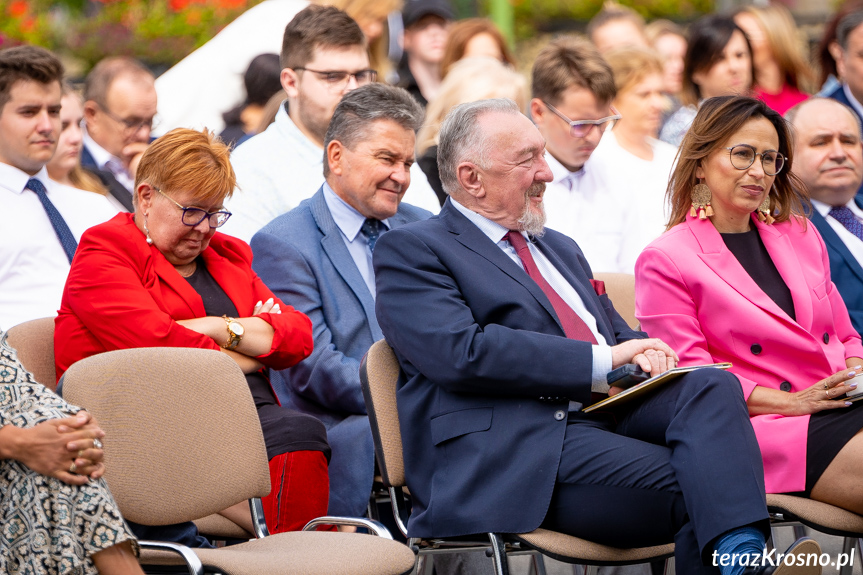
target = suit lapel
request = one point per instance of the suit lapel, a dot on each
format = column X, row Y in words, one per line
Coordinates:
column 334, row 246
column 717, row 257
column 170, row 277
column 476, row 241
column 226, row 274
column 835, row 243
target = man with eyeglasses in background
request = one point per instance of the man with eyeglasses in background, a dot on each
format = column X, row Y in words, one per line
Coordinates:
column 572, row 89
column 119, row 110
column 323, row 57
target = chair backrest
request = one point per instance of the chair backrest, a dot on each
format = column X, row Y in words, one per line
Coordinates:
column 621, row 291
column 34, row 342
column 379, row 373
column 182, row 435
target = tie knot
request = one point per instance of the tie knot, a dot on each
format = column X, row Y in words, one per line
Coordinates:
column 371, row 230
column 517, row 240
column 37, row 186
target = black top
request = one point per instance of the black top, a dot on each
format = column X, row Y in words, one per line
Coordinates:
column 753, row 256
column 217, row 303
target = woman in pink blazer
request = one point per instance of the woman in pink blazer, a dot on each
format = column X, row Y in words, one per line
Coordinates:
column 740, row 277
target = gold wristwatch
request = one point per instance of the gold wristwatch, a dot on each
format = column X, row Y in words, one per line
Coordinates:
column 235, row 332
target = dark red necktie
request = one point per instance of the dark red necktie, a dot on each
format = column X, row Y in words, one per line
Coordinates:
column 573, row 325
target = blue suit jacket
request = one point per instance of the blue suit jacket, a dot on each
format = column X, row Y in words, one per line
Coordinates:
column 302, row 258
column 839, row 95
column 479, row 344
column 845, row 270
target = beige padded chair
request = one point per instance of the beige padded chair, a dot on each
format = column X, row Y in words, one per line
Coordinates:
column 34, row 342
column 791, row 510
column 379, row 374
column 183, row 441
column 621, row 291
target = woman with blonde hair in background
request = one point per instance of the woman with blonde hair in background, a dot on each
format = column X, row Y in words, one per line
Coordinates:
column 469, row 80
column 632, row 143
column 780, row 66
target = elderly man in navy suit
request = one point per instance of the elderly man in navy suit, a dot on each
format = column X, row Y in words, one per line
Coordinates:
column 318, row 257
column 502, row 336
column 828, row 157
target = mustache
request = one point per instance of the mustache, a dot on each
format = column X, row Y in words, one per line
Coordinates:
column 535, row 190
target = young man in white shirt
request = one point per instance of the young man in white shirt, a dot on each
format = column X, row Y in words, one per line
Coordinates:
column 323, row 57
column 43, row 219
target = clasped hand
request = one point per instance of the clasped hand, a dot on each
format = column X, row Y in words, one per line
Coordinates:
column 823, row 394
column 652, row 355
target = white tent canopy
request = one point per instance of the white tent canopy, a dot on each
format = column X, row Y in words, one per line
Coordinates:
column 209, row 81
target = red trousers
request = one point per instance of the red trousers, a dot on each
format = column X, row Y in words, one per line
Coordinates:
column 300, row 490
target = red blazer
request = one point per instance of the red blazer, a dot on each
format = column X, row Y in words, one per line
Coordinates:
column 122, row 293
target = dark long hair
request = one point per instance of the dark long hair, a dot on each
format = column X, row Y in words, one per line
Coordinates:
column 707, row 39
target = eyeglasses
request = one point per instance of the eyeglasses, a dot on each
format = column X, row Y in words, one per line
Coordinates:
column 743, row 156
column 581, row 128
column 194, row 216
column 131, row 126
column 337, row 80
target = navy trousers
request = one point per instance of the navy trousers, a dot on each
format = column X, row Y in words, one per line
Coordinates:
column 681, row 464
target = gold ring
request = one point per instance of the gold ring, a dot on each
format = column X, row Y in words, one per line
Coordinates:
column 826, row 386
column 73, row 467
column 80, row 451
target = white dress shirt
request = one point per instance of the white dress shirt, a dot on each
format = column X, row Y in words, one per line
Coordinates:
column 350, row 222
column 642, row 183
column 279, row 168
column 852, row 242
column 102, row 157
column 33, row 265
column 603, row 221
column 497, row 233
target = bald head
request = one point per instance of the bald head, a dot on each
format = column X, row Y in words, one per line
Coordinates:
column 828, row 155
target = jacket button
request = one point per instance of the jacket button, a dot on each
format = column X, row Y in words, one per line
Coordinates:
column 785, row 386
column 559, row 414
column 756, row 348
column 826, row 337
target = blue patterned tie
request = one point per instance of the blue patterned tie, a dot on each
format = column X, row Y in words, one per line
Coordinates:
column 64, row 234
column 371, row 230
column 845, row 216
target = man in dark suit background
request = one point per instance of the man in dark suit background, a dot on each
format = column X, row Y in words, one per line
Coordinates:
column 828, row 157
column 502, row 336
column 319, row 257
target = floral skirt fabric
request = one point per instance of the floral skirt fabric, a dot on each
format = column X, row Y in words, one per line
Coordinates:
column 47, row 526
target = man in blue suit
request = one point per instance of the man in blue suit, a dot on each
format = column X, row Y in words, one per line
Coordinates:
column 828, row 157
column 502, row 336
column 318, row 258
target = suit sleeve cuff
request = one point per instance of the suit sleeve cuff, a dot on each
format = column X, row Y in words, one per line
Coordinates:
column 601, row 367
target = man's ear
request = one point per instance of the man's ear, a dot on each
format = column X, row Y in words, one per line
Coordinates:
column 89, row 110
column 335, row 157
column 290, row 81
column 470, row 179
column 537, row 111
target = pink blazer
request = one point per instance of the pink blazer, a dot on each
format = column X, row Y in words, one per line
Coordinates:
column 692, row 293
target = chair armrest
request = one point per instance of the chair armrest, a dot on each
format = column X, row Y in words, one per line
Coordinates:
column 192, row 560
column 258, row 520
column 374, row 527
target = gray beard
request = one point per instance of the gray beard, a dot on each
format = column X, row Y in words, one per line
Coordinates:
column 531, row 221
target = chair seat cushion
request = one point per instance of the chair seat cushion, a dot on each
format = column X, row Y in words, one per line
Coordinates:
column 820, row 516
column 571, row 549
column 301, row 553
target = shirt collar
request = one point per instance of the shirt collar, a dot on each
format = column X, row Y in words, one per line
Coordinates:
column 493, row 230
column 559, row 171
column 15, row 180
column 100, row 155
column 348, row 220
column 824, row 209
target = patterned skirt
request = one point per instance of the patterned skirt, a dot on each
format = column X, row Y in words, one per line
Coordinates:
column 47, row 526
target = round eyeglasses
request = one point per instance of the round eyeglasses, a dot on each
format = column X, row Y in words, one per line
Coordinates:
column 194, row 216
column 743, row 156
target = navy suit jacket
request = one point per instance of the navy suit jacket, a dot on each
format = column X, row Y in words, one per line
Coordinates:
column 302, row 258
column 845, row 270
column 479, row 345
column 839, row 95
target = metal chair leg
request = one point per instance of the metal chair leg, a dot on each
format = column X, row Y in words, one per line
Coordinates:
column 847, row 547
column 498, row 554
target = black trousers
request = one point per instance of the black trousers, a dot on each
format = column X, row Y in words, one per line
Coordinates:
column 681, row 464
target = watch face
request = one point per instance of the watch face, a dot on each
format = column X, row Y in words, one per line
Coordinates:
column 237, row 328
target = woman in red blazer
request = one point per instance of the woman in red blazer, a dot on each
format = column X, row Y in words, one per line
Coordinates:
column 163, row 277
column 742, row 277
